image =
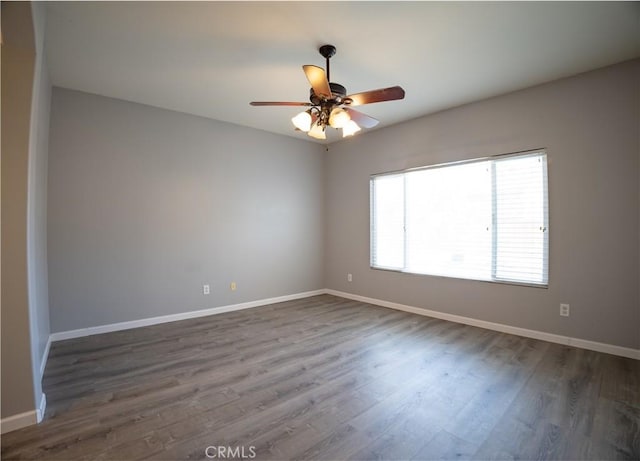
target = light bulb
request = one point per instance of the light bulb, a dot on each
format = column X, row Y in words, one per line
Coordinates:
column 302, row 121
column 317, row 132
column 339, row 118
column 350, row 129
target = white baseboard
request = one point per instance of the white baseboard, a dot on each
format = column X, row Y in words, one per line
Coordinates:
column 41, row 408
column 175, row 317
column 535, row 334
column 45, row 357
column 15, row 422
column 28, row 418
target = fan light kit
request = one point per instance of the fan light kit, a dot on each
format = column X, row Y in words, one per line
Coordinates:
column 329, row 104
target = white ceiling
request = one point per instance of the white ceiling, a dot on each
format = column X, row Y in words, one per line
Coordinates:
column 212, row 58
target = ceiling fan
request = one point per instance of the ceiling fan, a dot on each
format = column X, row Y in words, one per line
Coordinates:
column 330, row 105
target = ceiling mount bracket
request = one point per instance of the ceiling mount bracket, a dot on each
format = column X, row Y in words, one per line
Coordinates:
column 327, row 51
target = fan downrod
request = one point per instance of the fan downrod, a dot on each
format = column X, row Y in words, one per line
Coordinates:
column 327, row 51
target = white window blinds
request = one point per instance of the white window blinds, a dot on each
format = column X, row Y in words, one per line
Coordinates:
column 483, row 220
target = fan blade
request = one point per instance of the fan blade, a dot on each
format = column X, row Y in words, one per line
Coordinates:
column 383, row 94
column 361, row 119
column 318, row 80
column 279, row 103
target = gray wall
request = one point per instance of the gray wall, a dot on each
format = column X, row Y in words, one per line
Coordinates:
column 18, row 57
column 37, row 202
column 589, row 125
column 146, row 205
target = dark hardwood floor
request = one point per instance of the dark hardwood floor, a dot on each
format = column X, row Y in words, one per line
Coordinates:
column 332, row 379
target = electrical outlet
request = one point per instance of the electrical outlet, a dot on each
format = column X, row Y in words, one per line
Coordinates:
column 564, row 310
column 233, row 286
column 349, row 278
column 206, row 289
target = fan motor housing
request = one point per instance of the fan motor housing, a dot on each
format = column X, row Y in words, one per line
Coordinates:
column 338, row 92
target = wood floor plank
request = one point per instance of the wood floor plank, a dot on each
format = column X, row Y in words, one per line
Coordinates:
column 446, row 446
column 329, row 378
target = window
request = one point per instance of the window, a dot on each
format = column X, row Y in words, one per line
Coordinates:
column 484, row 219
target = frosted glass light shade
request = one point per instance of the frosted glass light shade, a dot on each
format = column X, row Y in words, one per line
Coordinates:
column 302, row 121
column 350, row 129
column 339, row 118
column 317, row 132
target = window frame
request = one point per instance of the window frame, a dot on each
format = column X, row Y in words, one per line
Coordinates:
column 546, row 210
